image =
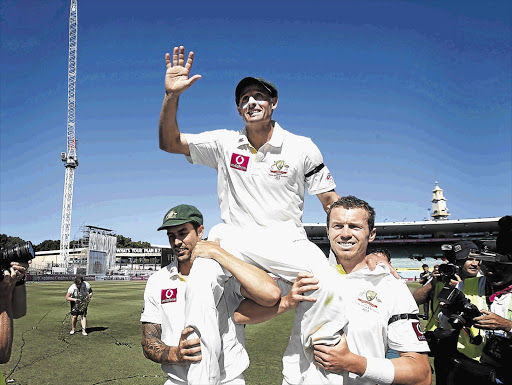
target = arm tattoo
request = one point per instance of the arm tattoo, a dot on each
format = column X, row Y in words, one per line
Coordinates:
column 152, row 345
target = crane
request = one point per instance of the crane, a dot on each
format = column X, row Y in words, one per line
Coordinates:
column 69, row 157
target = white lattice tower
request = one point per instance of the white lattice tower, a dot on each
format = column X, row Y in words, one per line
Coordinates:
column 69, row 158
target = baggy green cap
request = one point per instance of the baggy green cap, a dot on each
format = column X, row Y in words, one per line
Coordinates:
column 181, row 214
column 270, row 87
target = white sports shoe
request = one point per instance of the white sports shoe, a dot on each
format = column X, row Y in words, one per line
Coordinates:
column 72, row 332
column 84, row 333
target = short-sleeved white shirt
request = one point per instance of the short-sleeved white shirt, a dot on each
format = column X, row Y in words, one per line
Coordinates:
column 263, row 187
column 164, row 304
column 502, row 306
column 370, row 299
column 84, row 290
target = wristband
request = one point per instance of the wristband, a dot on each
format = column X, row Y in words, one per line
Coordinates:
column 379, row 370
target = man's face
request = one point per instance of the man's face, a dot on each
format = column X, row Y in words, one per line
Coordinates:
column 256, row 105
column 470, row 268
column 425, row 269
column 349, row 234
column 183, row 238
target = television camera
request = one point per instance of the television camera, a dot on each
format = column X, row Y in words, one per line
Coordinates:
column 448, row 270
column 459, row 310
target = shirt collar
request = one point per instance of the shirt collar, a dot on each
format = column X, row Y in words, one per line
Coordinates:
column 277, row 136
column 173, row 268
column 276, row 139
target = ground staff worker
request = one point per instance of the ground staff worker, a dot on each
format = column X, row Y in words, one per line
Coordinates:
column 263, row 171
column 79, row 294
column 164, row 332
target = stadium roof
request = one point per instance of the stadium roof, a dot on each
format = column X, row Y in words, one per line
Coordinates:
column 486, row 225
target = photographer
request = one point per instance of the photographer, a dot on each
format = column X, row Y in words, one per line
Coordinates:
column 487, row 334
column 497, row 322
column 13, row 305
column 462, row 268
column 14, row 263
column 460, row 273
column 496, row 265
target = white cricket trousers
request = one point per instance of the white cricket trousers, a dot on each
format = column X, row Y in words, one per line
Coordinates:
column 281, row 252
column 240, row 380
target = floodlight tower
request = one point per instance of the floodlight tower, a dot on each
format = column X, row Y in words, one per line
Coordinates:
column 69, row 158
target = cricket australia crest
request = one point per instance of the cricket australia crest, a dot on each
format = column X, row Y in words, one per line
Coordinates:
column 368, row 300
column 279, row 169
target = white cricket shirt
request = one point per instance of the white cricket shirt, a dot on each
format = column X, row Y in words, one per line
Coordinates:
column 263, row 187
column 370, row 299
column 164, row 304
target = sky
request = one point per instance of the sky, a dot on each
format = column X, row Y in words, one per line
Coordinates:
column 396, row 94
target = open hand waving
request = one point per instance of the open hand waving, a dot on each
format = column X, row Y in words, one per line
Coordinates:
column 177, row 77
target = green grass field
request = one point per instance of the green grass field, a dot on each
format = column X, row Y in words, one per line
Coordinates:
column 45, row 353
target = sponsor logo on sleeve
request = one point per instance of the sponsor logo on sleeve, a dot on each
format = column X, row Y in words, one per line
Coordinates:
column 168, row 295
column 417, row 329
column 240, row 162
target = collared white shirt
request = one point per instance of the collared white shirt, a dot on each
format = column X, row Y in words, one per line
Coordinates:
column 164, row 304
column 370, row 298
column 265, row 186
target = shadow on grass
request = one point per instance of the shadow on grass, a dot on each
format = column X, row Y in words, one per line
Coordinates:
column 96, row 329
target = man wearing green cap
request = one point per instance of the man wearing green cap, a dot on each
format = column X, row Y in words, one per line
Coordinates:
column 263, row 172
column 164, row 335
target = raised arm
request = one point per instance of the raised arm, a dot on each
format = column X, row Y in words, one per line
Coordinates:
column 7, row 285
column 19, row 294
column 156, row 350
column 422, row 294
column 250, row 312
column 177, row 80
column 255, row 283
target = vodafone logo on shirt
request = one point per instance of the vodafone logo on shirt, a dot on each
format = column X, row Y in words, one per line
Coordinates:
column 240, row 162
column 168, row 295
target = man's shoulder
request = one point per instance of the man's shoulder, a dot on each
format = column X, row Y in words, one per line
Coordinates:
column 218, row 134
column 295, row 137
column 164, row 273
column 382, row 276
column 159, row 273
